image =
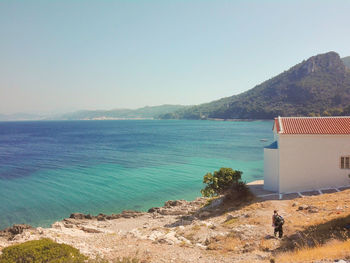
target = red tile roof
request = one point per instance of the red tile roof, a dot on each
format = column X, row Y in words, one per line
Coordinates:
column 312, row 125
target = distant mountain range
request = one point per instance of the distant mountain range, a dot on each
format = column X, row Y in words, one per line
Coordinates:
column 319, row 86
column 20, row 117
column 147, row 112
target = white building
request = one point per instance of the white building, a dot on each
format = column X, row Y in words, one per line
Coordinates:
column 309, row 153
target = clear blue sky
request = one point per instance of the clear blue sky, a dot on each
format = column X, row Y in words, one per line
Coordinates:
column 58, row 56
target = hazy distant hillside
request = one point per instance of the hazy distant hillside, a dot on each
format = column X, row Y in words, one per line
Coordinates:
column 145, row 112
column 20, row 117
column 346, row 61
column 317, row 86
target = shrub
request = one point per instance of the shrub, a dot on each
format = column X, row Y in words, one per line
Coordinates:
column 44, row 250
column 223, row 181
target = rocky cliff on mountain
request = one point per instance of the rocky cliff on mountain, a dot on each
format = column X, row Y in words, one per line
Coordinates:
column 319, row 85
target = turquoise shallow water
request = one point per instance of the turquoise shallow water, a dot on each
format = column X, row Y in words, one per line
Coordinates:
column 51, row 169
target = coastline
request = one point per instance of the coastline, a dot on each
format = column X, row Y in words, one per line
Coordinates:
column 98, row 215
column 187, row 231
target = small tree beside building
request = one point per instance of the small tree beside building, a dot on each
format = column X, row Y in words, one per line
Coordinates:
column 224, row 181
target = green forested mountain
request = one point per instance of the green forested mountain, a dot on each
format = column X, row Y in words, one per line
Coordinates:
column 346, row 61
column 145, row 112
column 318, row 86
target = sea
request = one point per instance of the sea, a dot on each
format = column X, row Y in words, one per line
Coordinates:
column 50, row 169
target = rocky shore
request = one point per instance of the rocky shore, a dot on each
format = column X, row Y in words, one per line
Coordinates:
column 188, row 231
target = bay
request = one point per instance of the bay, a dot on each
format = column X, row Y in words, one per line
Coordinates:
column 50, row 169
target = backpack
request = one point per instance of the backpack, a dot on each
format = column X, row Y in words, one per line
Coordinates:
column 279, row 220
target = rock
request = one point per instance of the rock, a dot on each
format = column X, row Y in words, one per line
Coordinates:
column 88, row 216
column 77, row 216
column 80, row 216
column 230, row 217
column 204, row 214
column 248, row 248
column 18, row 229
column 155, row 235
column 184, row 240
column 154, row 210
column 57, row 225
column 90, row 230
column 130, row 214
column 40, row 230
column 101, row 217
column 190, row 218
column 172, row 239
column 215, row 203
column 208, row 224
column 113, row 216
column 172, row 212
column 312, row 209
column 174, row 203
column 164, row 241
column 14, row 230
column 186, row 222
column 201, row 246
column 302, row 207
column 199, row 201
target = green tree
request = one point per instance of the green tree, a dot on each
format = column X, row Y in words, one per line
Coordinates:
column 326, row 113
column 346, row 110
column 222, row 181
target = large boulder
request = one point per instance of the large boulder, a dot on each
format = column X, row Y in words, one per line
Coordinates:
column 154, row 210
column 80, row 216
column 18, row 229
column 14, row 230
column 174, row 203
column 130, row 214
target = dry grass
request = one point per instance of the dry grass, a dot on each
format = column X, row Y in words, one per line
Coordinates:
column 189, row 236
column 184, row 244
column 231, row 244
column 330, row 251
column 231, row 221
column 226, row 244
column 267, row 244
column 315, row 235
column 196, row 227
column 304, row 230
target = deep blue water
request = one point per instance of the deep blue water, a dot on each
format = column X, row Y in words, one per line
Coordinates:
column 51, row 169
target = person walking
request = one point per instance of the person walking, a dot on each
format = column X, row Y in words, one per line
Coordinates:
column 277, row 223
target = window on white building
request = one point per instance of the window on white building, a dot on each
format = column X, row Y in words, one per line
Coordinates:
column 345, row 162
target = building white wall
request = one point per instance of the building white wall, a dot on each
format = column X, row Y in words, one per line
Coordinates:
column 309, row 162
column 271, row 169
